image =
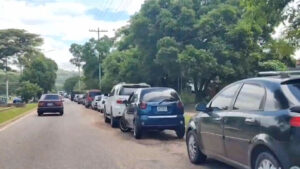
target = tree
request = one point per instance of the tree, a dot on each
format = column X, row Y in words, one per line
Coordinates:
column 70, row 83
column 41, row 71
column 86, row 54
column 28, row 91
column 16, row 43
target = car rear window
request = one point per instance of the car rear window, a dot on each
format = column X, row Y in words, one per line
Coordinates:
column 51, row 97
column 93, row 94
column 157, row 95
column 292, row 92
column 128, row 90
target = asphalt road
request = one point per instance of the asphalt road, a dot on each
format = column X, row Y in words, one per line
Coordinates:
column 81, row 140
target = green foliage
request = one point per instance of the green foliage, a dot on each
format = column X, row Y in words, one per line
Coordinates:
column 15, row 112
column 62, row 76
column 272, row 65
column 208, row 43
column 28, row 91
column 90, row 55
column 13, row 78
column 41, row 71
column 70, row 83
column 16, row 43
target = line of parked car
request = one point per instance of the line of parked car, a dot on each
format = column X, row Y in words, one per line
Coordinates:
column 253, row 123
column 137, row 107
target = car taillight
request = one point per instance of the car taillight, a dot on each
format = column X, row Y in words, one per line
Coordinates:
column 143, row 105
column 59, row 103
column 119, row 101
column 41, row 104
column 295, row 122
column 180, row 105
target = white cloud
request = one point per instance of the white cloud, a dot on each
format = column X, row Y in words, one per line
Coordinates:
column 61, row 23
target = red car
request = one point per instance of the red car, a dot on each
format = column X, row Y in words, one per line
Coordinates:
column 50, row 103
column 90, row 96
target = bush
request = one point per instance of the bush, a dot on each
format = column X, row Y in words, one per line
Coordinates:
column 29, row 91
column 187, row 97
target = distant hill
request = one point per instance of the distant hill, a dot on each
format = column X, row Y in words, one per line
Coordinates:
column 62, row 75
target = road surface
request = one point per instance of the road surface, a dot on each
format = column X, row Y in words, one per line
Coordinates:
column 81, row 140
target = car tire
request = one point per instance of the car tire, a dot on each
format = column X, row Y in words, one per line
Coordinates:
column 266, row 159
column 113, row 122
column 61, row 113
column 180, row 131
column 137, row 130
column 40, row 113
column 194, row 152
column 106, row 119
column 122, row 125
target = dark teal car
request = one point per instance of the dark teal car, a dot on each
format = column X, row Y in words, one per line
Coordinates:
column 154, row 108
column 253, row 123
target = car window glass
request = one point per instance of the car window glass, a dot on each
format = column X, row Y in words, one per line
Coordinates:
column 223, row 100
column 159, row 94
column 135, row 98
column 250, row 97
column 112, row 92
column 51, row 97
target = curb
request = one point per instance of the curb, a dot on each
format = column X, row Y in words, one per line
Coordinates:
column 17, row 118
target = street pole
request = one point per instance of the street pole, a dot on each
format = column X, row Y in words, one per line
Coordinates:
column 79, row 86
column 98, row 33
column 6, row 80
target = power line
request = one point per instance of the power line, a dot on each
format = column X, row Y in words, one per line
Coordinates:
column 98, row 31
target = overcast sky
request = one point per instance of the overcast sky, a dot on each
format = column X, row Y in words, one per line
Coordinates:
column 62, row 22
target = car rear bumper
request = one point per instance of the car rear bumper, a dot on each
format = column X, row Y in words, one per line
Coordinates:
column 50, row 109
column 162, row 121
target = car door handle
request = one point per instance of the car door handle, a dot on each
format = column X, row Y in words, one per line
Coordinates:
column 250, row 120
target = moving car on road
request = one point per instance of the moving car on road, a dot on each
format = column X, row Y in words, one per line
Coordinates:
column 253, row 123
column 89, row 97
column 153, row 109
column 50, row 103
column 114, row 106
column 101, row 103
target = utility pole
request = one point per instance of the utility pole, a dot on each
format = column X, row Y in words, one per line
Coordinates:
column 6, row 79
column 98, row 33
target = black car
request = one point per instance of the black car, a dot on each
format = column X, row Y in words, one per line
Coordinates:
column 50, row 103
column 253, row 123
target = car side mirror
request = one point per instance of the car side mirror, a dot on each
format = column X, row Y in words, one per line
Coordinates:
column 202, row 107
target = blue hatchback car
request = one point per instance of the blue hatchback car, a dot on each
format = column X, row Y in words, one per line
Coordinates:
column 156, row 108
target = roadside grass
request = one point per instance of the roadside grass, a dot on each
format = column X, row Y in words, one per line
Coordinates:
column 14, row 112
column 187, row 118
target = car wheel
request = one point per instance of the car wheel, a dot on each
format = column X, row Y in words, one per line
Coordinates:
column 106, row 119
column 266, row 160
column 61, row 113
column 137, row 131
column 123, row 126
column 195, row 154
column 113, row 122
column 180, row 132
column 40, row 113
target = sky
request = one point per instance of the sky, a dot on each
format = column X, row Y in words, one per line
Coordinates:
column 63, row 22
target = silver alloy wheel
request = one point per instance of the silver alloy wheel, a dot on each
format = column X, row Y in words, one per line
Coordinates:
column 192, row 147
column 266, row 164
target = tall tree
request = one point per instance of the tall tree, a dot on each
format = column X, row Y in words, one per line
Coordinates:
column 41, row 71
column 16, row 43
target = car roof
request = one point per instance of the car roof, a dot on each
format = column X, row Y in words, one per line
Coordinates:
column 156, row 88
column 271, row 79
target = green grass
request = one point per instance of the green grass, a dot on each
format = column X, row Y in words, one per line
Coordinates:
column 14, row 112
column 187, row 119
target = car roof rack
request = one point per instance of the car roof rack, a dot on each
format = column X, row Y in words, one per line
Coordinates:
column 281, row 74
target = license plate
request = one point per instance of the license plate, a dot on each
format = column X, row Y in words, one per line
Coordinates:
column 162, row 108
column 49, row 104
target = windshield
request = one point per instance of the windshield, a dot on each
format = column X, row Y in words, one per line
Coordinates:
column 93, row 94
column 292, row 92
column 158, row 95
column 50, row 97
column 126, row 91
